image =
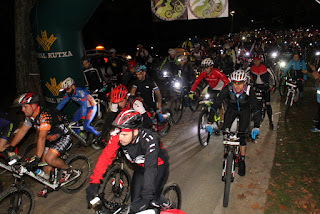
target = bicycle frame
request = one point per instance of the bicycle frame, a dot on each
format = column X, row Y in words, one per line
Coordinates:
column 233, row 146
column 292, row 88
column 19, row 170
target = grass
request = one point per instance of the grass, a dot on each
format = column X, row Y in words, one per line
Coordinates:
column 295, row 182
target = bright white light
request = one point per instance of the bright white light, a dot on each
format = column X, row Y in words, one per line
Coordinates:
column 243, row 38
column 207, row 96
column 248, row 53
column 128, row 57
column 165, row 73
column 283, row 64
column 177, row 84
column 318, row 53
column 274, row 54
column 151, row 48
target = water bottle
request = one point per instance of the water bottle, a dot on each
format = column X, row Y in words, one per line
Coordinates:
column 42, row 174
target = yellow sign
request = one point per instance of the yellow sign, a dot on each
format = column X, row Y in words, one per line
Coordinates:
column 44, row 41
column 53, row 87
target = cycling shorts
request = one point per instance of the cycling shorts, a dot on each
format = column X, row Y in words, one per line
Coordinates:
column 60, row 146
column 7, row 131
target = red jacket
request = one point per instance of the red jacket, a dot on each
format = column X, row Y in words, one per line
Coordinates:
column 213, row 79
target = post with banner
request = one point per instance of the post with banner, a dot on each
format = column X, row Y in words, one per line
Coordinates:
column 57, row 29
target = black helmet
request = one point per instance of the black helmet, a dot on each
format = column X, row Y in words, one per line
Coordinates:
column 85, row 59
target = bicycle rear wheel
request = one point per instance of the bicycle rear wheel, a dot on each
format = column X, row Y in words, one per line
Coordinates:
column 17, row 201
column 115, row 187
column 203, row 135
column 82, row 165
column 30, row 151
column 228, row 180
column 177, row 109
column 172, row 192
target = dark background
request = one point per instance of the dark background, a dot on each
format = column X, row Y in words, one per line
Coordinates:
column 123, row 24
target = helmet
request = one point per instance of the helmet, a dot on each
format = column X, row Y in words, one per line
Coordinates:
column 132, row 63
column 197, row 45
column 172, row 51
column 85, row 59
column 66, row 84
column 28, row 98
column 129, row 119
column 238, row 76
column 141, row 68
column 182, row 58
column 118, row 94
column 112, row 50
column 207, row 62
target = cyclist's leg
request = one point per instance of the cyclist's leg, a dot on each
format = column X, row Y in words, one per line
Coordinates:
column 77, row 117
column 269, row 109
column 5, row 135
column 90, row 115
column 229, row 116
column 163, row 171
column 244, row 120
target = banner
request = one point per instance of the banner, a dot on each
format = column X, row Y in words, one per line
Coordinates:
column 169, row 10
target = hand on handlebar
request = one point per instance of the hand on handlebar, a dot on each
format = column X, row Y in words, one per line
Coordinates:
column 32, row 164
column 159, row 112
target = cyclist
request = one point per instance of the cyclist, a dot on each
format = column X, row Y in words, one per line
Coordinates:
column 143, row 55
column 224, row 63
column 187, row 72
column 297, row 69
column 7, row 127
column 53, row 138
column 114, row 65
column 198, row 54
column 148, row 90
column 241, row 101
column 92, row 76
column 263, row 78
column 212, row 76
column 142, row 148
column 170, row 62
column 120, row 100
column 128, row 76
column 88, row 106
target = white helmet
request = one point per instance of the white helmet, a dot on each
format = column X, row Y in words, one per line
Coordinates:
column 172, row 51
column 112, row 50
column 66, row 84
column 238, row 76
column 207, row 62
column 182, row 58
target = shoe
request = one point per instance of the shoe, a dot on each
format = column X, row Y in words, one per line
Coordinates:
column 161, row 202
column 44, row 192
column 66, row 174
column 209, row 128
column 242, row 168
column 315, row 129
column 271, row 126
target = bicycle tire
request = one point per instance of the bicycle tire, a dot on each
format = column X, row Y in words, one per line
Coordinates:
column 203, row 135
column 167, row 194
column 166, row 125
column 176, row 108
column 206, row 13
column 97, row 125
column 115, row 190
column 29, row 152
column 228, row 177
column 288, row 105
column 81, row 181
column 218, row 7
column 14, row 198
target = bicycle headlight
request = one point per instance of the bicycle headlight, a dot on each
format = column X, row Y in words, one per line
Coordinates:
column 128, row 57
column 165, row 73
column 318, row 53
column 177, row 84
column 274, row 54
column 248, row 53
column 207, row 96
column 283, row 64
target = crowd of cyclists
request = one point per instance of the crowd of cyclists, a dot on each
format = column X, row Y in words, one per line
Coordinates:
column 232, row 65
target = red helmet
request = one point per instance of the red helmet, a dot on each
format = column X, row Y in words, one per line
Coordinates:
column 132, row 63
column 28, row 98
column 129, row 119
column 118, row 94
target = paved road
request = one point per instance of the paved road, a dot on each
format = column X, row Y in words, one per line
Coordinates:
column 198, row 172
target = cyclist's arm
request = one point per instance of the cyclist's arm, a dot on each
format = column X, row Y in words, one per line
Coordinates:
column 158, row 97
column 83, row 106
column 41, row 142
column 222, row 96
column 272, row 79
column 304, row 67
column 287, row 68
column 20, row 134
column 133, row 90
column 223, row 78
column 163, row 63
column 138, row 106
column 198, row 80
column 63, row 102
column 151, row 169
column 105, row 159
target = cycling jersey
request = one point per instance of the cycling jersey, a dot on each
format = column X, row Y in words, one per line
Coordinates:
column 81, row 97
column 213, row 79
column 262, row 75
column 296, row 66
column 146, row 88
column 146, row 151
column 93, row 78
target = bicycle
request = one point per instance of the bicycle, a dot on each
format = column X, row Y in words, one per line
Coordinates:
column 85, row 138
column 182, row 100
column 231, row 157
column 214, row 7
column 203, row 134
column 162, row 128
column 292, row 94
column 176, row 7
column 11, row 200
column 102, row 104
column 172, row 192
column 261, row 101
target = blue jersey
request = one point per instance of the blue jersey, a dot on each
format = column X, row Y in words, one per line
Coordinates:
column 81, row 97
column 295, row 65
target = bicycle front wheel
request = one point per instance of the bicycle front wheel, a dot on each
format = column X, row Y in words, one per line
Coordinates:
column 203, row 135
column 177, row 109
column 288, row 105
column 17, row 201
column 82, row 169
column 228, row 178
column 172, row 192
column 115, row 187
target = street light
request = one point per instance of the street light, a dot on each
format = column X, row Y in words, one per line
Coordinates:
column 232, row 13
